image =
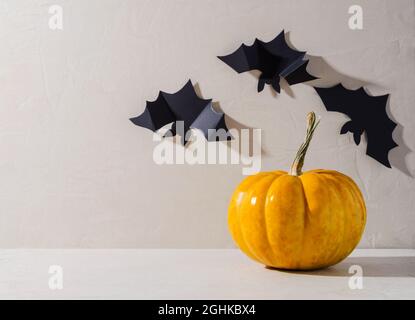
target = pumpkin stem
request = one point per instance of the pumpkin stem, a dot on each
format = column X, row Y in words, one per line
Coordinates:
column 298, row 163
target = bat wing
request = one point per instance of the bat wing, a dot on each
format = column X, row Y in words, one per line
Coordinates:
column 367, row 114
column 300, row 74
column 244, row 59
column 185, row 109
column 332, row 98
column 212, row 124
column 379, row 133
column 279, row 47
column 156, row 115
column 185, row 104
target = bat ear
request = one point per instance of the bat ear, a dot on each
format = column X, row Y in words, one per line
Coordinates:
column 356, row 137
column 261, row 84
column 347, row 127
column 276, row 84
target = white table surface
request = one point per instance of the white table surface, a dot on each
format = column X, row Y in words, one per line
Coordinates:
column 198, row 274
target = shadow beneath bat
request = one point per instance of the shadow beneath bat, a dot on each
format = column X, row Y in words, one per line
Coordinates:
column 231, row 123
column 397, row 156
column 286, row 88
column 399, row 267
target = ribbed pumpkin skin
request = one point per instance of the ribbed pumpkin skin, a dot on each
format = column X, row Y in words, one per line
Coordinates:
column 299, row 223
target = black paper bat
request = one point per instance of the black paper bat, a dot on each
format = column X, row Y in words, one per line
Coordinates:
column 367, row 114
column 273, row 59
column 186, row 106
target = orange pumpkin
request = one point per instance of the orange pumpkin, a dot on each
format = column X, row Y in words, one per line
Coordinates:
column 295, row 220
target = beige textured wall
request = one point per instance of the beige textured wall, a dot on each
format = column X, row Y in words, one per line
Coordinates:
column 74, row 172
